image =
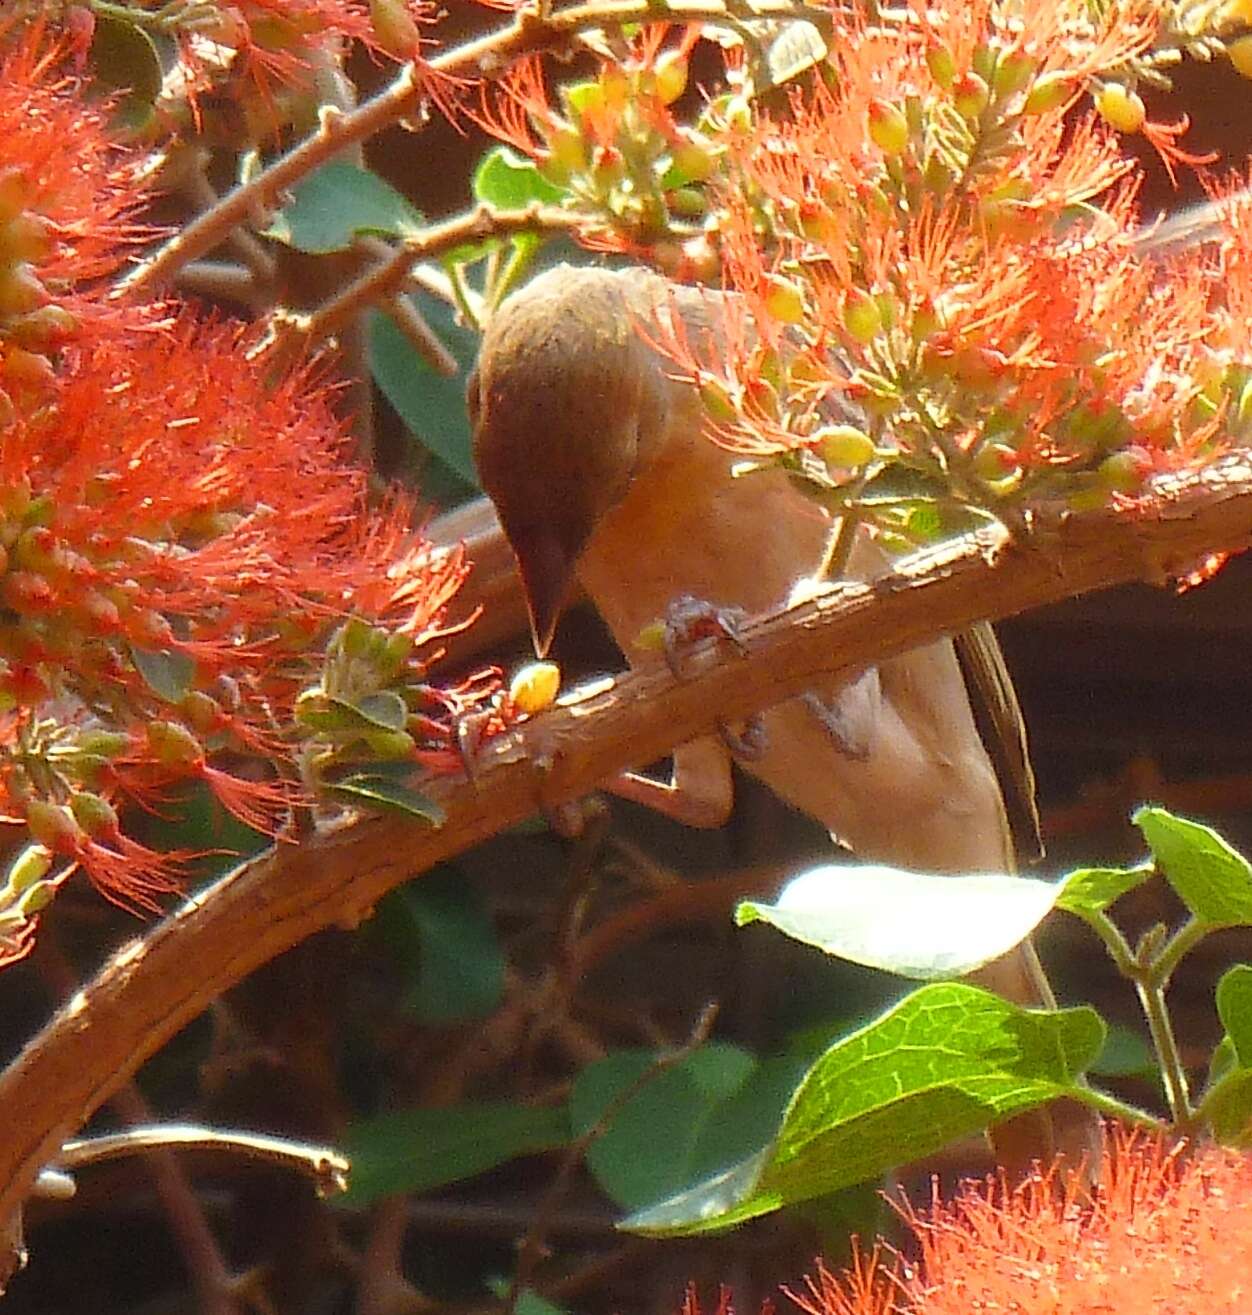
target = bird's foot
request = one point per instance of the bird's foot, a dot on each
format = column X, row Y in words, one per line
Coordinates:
column 748, row 745
column 689, row 619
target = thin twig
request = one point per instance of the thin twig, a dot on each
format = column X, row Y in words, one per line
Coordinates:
column 326, row 1167
column 381, row 282
column 530, row 1251
column 486, row 56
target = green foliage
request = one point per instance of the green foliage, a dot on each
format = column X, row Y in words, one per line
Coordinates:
column 1211, row 878
column 948, row 1060
column 331, row 208
column 439, row 932
column 432, row 405
column 419, row 1149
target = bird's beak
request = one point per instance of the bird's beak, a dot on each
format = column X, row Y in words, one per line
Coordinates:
column 546, row 562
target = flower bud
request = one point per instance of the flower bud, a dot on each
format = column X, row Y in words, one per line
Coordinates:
column 941, row 64
column 1121, row 108
column 173, row 745
column 843, row 446
column 670, row 72
column 783, row 299
column 1013, row 72
column 1049, row 92
column 862, row 315
column 1240, row 52
column 394, row 28
column 1122, row 472
column 54, row 826
column 30, row 866
column 888, row 128
column 534, row 687
column 970, row 95
column 94, row 814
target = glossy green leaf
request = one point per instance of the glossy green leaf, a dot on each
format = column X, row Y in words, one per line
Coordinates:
column 510, row 181
column 431, row 405
column 1211, row 878
column 646, row 1153
column 946, row 1061
column 1229, row 1108
column 124, row 58
column 1125, row 1055
column 916, row 924
column 1092, row 890
column 442, row 936
column 166, row 672
column 338, row 203
column 420, row 1149
column 385, row 709
column 376, row 789
column 1234, row 1008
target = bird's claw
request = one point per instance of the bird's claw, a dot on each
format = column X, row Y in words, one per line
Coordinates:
column 689, row 619
column 748, row 745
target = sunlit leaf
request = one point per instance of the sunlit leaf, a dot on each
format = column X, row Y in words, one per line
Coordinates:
column 1211, row 878
column 1092, row 890
column 947, row 1061
column 916, row 924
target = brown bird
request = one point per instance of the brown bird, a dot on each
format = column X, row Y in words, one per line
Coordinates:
column 595, row 460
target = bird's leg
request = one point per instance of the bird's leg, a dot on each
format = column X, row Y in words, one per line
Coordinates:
column 699, row 793
column 748, row 745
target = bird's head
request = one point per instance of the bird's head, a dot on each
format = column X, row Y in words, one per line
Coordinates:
column 567, row 405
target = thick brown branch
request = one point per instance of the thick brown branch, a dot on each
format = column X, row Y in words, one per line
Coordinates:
column 155, row 986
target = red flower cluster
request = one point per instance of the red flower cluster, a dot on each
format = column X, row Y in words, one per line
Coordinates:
column 180, row 536
column 1168, row 1231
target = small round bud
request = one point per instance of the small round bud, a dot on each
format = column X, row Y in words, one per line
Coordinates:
column 1121, row 108
column 394, row 28
column 670, row 72
column 535, row 686
column 862, row 315
column 1049, row 92
column 783, row 299
column 888, row 127
column 1122, row 472
column 1240, row 52
column 970, row 95
column 30, row 866
column 844, row 446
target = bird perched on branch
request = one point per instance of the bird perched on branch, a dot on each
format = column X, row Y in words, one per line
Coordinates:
column 594, row 458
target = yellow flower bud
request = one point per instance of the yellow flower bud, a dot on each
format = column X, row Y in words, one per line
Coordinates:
column 1121, row 108
column 535, row 686
column 844, row 446
column 1240, row 52
column 888, row 128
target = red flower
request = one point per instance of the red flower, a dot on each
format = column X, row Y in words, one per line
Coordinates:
column 1169, row 1231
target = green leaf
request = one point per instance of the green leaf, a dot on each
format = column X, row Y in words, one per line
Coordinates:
column 749, row 1117
column 438, row 930
column 430, row 404
column 1234, row 1008
column 166, row 672
column 385, row 709
column 509, row 181
column 646, row 1152
column 419, row 1149
column 946, row 1061
column 1211, row 878
column 1092, row 890
column 331, row 208
column 377, row 790
column 529, row 1302
column 1125, row 1055
column 124, row 58
column 1228, row 1106
column 916, row 924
